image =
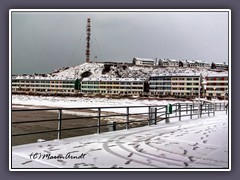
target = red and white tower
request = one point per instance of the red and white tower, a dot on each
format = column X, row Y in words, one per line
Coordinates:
column 88, row 31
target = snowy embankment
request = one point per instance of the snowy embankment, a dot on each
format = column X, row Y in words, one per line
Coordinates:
column 25, row 101
column 196, row 143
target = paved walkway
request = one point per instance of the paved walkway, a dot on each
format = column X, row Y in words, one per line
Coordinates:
column 197, row 143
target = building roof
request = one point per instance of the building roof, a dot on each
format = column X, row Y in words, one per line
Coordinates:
column 222, row 64
column 218, row 75
column 176, row 75
column 144, row 59
column 163, row 60
column 40, row 78
column 114, row 79
column 173, row 60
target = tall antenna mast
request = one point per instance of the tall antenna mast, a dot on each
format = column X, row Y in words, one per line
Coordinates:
column 88, row 30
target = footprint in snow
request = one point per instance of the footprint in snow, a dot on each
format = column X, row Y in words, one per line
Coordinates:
column 128, row 162
column 205, row 141
column 26, row 162
column 186, row 164
column 191, row 158
column 130, row 155
column 194, row 148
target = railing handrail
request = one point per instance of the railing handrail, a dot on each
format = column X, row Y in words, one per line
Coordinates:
column 75, row 108
column 159, row 114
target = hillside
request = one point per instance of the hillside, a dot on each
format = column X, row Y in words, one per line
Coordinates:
column 119, row 70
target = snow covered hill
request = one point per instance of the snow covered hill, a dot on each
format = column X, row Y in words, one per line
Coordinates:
column 119, row 70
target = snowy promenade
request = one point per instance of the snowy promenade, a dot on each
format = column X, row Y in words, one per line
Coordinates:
column 196, row 143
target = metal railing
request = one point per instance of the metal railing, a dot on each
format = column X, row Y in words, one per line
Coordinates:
column 100, row 117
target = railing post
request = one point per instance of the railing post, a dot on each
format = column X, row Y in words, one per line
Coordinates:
column 127, row 123
column 59, row 124
column 155, row 122
column 186, row 108
column 166, row 115
column 191, row 111
column 208, row 110
column 176, row 109
column 205, row 107
column 114, row 126
column 99, row 119
column 149, row 115
column 179, row 106
column 220, row 106
column 214, row 109
column 226, row 109
column 201, row 110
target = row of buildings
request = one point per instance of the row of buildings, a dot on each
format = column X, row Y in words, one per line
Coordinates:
column 156, row 85
column 178, row 63
column 185, row 85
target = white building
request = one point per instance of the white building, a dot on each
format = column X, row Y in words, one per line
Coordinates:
column 206, row 65
column 221, row 66
column 183, row 63
column 143, row 62
column 168, row 63
column 173, row 63
column 163, row 63
column 192, row 64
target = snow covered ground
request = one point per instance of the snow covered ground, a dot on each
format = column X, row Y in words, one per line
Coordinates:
column 72, row 102
column 196, row 143
column 52, row 101
column 24, row 101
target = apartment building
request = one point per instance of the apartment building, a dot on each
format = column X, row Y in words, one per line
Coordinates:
column 143, row 62
column 183, row 63
column 185, row 85
column 163, row 63
column 160, row 85
column 219, row 66
column 42, row 85
column 173, row 63
column 124, row 86
column 175, row 85
column 217, row 85
column 168, row 63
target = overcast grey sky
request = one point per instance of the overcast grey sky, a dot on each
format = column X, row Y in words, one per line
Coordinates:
column 45, row 41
